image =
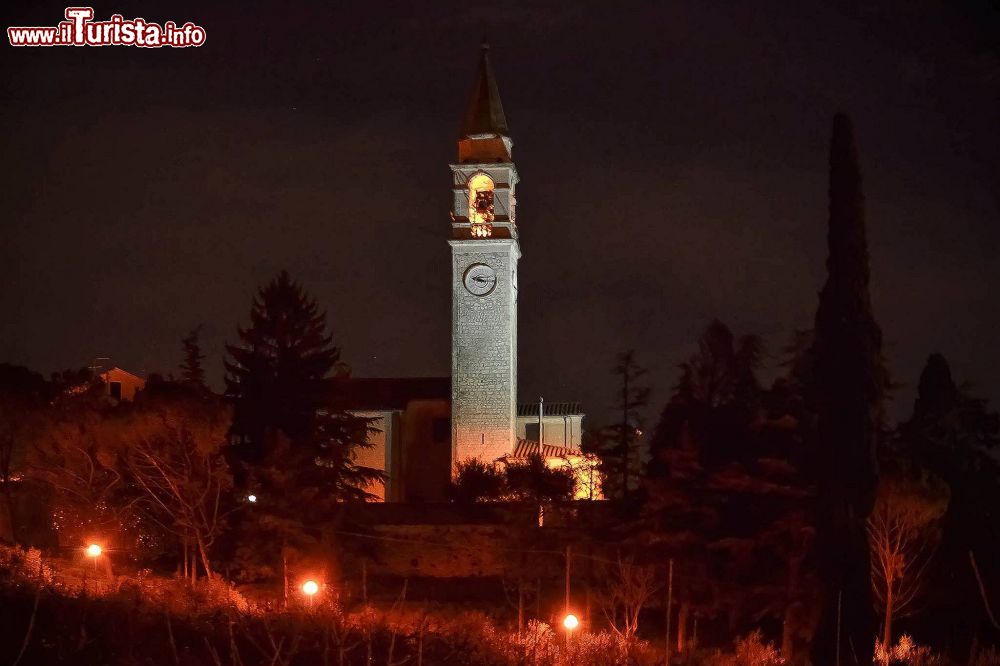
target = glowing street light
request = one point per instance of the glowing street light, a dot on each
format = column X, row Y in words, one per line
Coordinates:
column 252, row 499
column 570, row 622
column 310, row 588
column 94, row 551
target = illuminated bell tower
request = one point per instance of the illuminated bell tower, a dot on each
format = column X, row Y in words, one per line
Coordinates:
column 484, row 255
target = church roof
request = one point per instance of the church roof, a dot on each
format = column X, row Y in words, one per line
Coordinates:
column 377, row 393
column 484, row 114
column 525, row 448
column 551, row 409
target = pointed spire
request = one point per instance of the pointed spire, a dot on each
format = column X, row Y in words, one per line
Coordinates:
column 484, row 114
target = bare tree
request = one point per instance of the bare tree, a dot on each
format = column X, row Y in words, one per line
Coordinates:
column 628, row 589
column 902, row 534
column 182, row 479
column 71, row 453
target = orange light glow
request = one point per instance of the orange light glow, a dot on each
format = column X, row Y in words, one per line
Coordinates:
column 93, row 550
column 480, row 198
column 571, row 622
column 310, row 587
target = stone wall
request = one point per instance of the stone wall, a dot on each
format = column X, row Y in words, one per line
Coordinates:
column 484, row 352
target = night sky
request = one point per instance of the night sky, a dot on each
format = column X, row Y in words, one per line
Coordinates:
column 672, row 156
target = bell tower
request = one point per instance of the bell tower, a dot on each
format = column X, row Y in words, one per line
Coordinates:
column 484, row 256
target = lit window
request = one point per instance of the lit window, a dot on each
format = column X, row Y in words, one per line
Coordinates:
column 481, row 205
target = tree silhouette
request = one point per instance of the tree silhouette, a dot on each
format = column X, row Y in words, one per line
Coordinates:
column 715, row 402
column 955, row 436
column 532, row 480
column 22, row 394
column 476, row 481
column 278, row 376
column 617, row 445
column 192, row 372
column 846, row 391
column 294, row 447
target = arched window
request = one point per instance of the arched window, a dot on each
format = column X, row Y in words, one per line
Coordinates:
column 481, row 205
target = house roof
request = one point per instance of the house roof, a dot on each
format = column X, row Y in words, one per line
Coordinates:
column 551, row 409
column 117, row 372
column 374, row 393
column 484, row 114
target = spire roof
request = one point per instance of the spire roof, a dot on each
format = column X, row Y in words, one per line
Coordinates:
column 484, row 114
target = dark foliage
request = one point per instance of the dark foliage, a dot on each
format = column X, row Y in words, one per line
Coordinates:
column 529, row 480
column 476, row 481
column 22, row 393
column 725, row 499
column 294, row 449
column 278, row 375
column 715, row 405
column 619, row 445
column 532, row 480
column 127, row 629
column 845, row 391
column 955, row 437
column 192, row 372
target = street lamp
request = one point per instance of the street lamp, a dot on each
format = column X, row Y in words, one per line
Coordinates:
column 310, row 588
column 94, row 551
column 252, row 499
column 570, row 622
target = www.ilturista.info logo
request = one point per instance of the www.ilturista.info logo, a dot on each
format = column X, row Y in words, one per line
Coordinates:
column 80, row 30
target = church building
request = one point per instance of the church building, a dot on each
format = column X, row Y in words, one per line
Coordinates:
column 428, row 425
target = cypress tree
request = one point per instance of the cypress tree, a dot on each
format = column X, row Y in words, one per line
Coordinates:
column 847, row 389
column 278, row 375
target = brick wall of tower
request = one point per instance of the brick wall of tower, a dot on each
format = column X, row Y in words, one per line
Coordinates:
column 484, row 353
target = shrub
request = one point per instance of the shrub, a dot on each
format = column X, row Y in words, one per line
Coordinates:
column 905, row 652
column 751, row 650
column 477, row 481
column 987, row 657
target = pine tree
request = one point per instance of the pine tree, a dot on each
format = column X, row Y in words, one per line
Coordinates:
column 295, row 448
column 618, row 445
column 192, row 372
column 278, row 375
column 846, row 392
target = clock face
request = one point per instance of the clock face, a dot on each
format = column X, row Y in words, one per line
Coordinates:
column 480, row 279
